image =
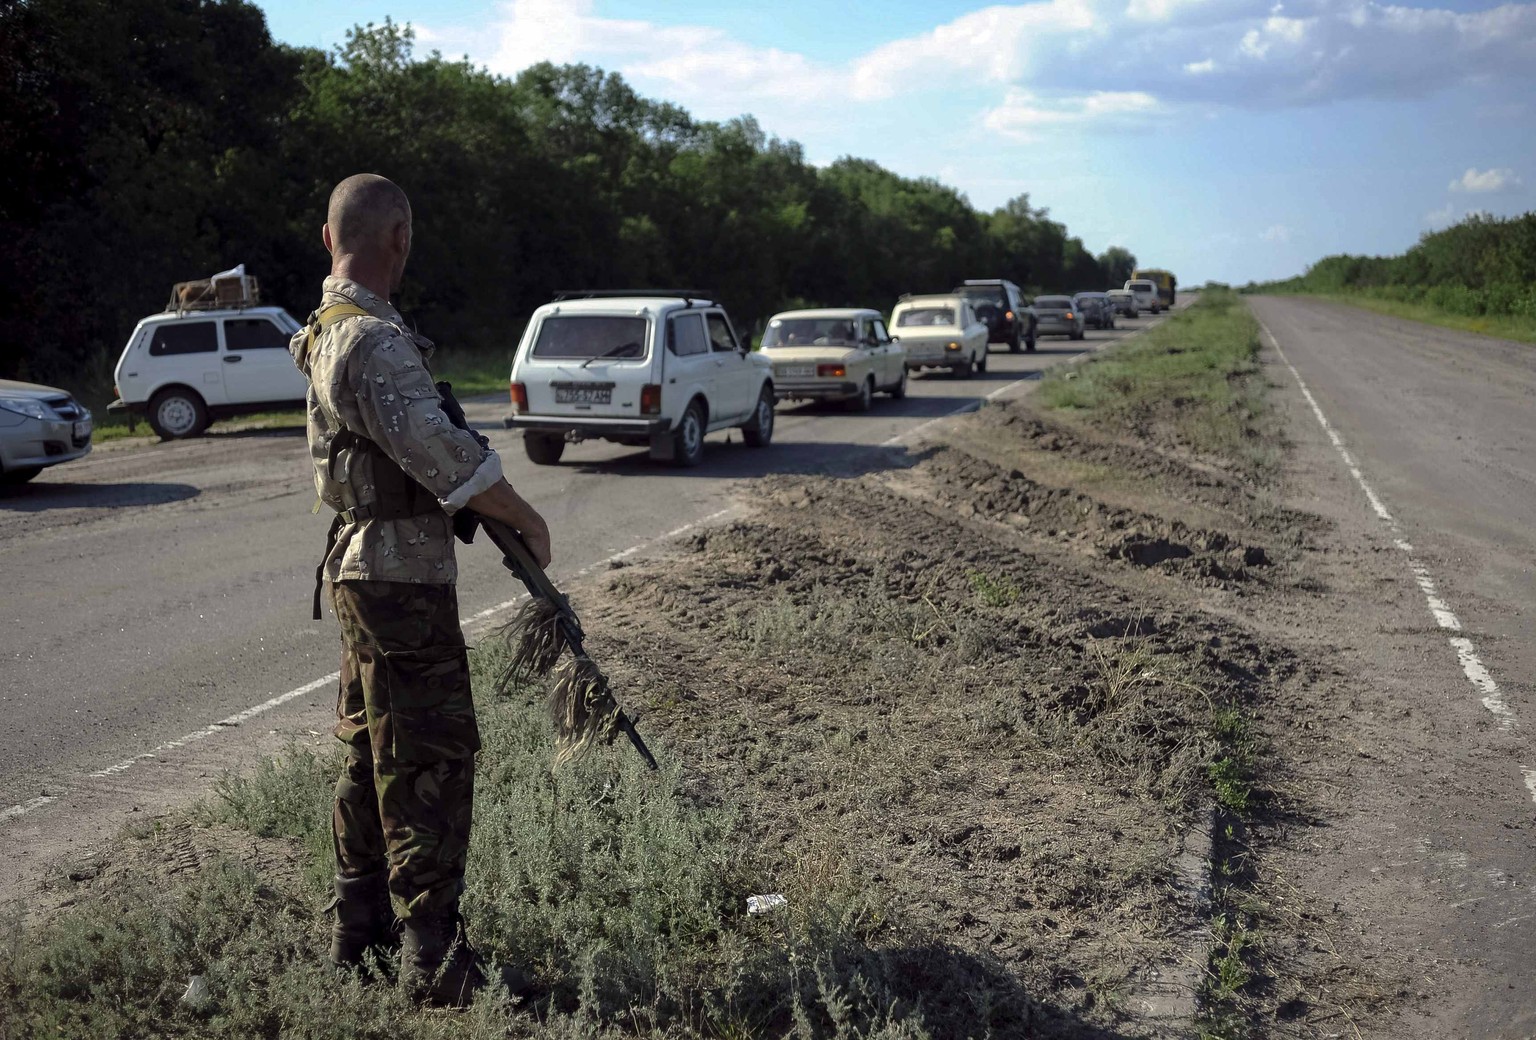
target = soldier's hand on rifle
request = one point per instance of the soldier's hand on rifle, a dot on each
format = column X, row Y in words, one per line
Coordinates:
column 500, row 502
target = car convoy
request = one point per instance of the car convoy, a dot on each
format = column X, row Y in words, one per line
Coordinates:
column 658, row 369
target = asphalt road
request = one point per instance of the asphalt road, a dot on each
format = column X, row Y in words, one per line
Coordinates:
column 1427, row 462
column 158, row 595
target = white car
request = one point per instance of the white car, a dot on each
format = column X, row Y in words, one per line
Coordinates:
column 941, row 332
column 39, row 427
column 1125, row 302
column 839, row 355
column 1146, row 295
column 183, row 369
column 652, row 370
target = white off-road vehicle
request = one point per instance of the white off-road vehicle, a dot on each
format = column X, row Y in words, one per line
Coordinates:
column 650, row 369
column 212, row 353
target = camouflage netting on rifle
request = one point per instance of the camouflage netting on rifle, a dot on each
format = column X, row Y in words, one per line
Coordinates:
column 534, row 641
column 582, row 707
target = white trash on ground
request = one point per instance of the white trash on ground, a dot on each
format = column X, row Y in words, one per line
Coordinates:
column 197, row 995
column 763, row 904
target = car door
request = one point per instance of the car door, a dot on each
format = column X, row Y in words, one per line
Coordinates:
column 186, row 353
column 889, row 356
column 737, row 378
column 256, row 363
column 690, row 365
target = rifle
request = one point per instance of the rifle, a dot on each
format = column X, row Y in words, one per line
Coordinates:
column 581, row 702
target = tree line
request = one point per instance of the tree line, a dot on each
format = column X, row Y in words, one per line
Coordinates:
column 152, row 141
column 1482, row 266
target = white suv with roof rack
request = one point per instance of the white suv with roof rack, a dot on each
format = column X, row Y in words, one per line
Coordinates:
column 650, row 369
column 213, row 353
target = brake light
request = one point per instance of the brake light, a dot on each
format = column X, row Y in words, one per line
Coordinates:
column 519, row 398
column 1008, row 315
column 831, row 371
column 650, row 399
column 1069, row 315
column 951, row 346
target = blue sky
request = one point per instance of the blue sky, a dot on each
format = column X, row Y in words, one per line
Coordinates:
column 1225, row 139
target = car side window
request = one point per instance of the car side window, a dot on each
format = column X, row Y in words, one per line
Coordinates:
column 191, row 337
column 685, row 336
column 878, row 327
column 253, row 334
column 720, row 334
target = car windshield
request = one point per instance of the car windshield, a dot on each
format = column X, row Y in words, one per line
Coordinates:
column 590, row 336
column 810, row 332
column 926, row 316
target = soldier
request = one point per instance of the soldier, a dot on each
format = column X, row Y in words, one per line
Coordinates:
column 394, row 469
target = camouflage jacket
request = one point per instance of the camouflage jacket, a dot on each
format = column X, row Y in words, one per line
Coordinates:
column 369, row 374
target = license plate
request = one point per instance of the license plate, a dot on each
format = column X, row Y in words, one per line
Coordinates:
column 798, row 370
column 584, row 395
column 82, row 428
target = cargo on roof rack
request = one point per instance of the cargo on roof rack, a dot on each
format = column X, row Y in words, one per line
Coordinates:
column 232, row 289
column 690, row 295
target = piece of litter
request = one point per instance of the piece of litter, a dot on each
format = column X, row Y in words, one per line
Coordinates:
column 197, row 995
column 763, row 904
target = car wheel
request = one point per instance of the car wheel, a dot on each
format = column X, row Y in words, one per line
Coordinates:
column 981, row 362
column 900, row 389
column 1015, row 345
column 759, row 431
column 1029, row 341
column 688, row 440
column 19, row 475
column 865, row 398
column 176, row 412
column 544, row 449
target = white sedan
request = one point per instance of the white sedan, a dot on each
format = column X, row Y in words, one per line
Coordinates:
column 834, row 355
column 941, row 332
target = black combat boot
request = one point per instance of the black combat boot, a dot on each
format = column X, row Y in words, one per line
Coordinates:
column 364, row 919
column 437, row 964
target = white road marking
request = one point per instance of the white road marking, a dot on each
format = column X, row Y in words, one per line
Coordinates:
column 267, row 705
column 25, row 807
column 1466, row 652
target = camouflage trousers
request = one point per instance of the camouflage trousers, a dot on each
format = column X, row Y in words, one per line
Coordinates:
column 406, row 716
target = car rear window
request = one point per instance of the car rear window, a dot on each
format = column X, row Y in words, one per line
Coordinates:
column 806, row 332
column 926, row 316
column 1053, row 305
column 590, row 336
column 994, row 297
column 192, row 337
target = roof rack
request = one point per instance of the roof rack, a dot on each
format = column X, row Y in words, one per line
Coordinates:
column 689, row 296
column 226, row 291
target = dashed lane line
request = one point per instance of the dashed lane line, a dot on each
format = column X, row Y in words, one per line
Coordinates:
column 1472, row 665
column 473, row 621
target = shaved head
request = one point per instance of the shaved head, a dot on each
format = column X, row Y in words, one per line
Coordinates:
column 365, row 209
column 368, row 230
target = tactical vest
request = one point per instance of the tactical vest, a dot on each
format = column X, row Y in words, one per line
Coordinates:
column 396, row 495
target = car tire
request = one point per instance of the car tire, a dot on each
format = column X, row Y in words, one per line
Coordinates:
column 759, row 432
column 1015, row 345
column 864, row 399
column 963, row 371
column 176, row 413
column 543, row 449
column 688, row 438
column 899, row 391
column 19, row 475
column 981, row 362
column 1029, row 341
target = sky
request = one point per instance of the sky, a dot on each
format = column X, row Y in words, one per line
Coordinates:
column 1232, row 140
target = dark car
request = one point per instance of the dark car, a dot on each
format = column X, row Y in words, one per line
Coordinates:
column 1005, row 310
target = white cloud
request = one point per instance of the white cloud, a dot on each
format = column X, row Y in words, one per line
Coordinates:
column 1483, row 181
column 1275, row 233
column 1440, row 218
column 1023, row 114
column 1192, row 54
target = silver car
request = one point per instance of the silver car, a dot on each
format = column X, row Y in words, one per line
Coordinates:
column 1058, row 316
column 1097, row 310
column 40, row 426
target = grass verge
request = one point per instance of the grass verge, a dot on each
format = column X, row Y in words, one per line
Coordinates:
column 1193, row 382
